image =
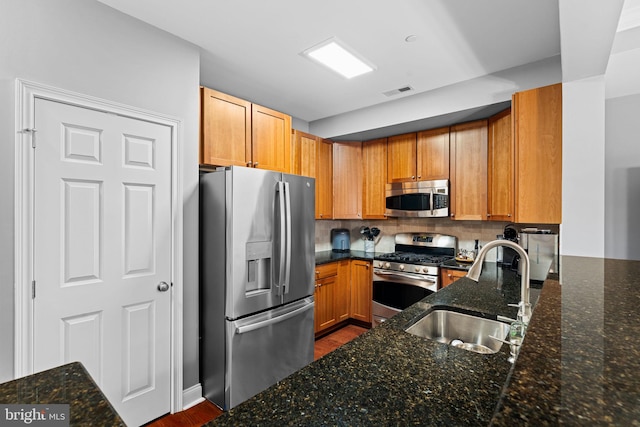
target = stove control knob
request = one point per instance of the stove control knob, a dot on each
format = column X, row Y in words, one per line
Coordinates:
column 387, row 265
column 425, row 269
column 417, row 269
column 401, row 267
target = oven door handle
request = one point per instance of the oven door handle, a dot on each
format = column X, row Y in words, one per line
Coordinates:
column 427, row 282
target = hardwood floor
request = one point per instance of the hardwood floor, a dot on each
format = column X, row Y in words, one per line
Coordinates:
column 206, row 411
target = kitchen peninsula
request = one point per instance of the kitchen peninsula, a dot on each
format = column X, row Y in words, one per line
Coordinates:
column 579, row 362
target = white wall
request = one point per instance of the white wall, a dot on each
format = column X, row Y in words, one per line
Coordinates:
column 87, row 47
column 583, row 168
column 479, row 92
column 622, row 181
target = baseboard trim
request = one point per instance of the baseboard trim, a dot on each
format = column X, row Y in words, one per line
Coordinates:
column 192, row 396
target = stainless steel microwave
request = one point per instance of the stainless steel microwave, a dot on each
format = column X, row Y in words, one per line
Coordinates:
column 417, row 199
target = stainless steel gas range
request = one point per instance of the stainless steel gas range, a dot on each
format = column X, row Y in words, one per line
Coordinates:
column 412, row 272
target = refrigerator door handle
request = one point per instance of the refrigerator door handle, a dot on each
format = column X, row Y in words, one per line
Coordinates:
column 283, row 220
column 274, row 320
column 287, row 270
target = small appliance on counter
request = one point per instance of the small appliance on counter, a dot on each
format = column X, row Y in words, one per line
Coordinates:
column 542, row 248
column 340, row 240
column 508, row 256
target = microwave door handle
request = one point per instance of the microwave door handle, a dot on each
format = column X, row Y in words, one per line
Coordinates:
column 431, row 200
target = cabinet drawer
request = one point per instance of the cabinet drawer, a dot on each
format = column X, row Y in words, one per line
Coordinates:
column 326, row 270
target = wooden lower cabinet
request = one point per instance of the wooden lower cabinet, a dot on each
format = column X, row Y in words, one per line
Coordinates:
column 325, row 289
column 342, row 292
column 448, row 276
column 361, row 289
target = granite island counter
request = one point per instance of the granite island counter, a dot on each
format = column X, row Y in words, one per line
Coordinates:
column 578, row 364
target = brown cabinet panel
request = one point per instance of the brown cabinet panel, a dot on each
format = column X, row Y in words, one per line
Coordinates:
column 324, row 179
column 501, row 158
column 347, row 180
column 433, row 154
column 225, row 129
column 270, row 139
column 468, row 197
column 374, row 178
column 401, row 159
column 538, row 145
column 448, row 276
column 343, row 294
column 303, row 153
column 361, row 290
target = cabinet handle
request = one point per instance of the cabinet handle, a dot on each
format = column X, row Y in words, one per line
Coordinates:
column 509, row 215
column 419, row 176
column 452, row 214
column 248, row 164
column 255, row 165
column 413, row 177
column 488, row 215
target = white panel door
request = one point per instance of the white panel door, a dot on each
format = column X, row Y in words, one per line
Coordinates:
column 102, row 227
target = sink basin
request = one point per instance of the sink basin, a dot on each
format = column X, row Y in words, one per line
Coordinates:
column 461, row 330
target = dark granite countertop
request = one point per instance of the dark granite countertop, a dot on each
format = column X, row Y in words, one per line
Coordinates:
column 579, row 363
column 326, row 257
column 68, row 384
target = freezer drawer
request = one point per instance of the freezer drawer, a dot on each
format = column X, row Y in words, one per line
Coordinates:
column 267, row 347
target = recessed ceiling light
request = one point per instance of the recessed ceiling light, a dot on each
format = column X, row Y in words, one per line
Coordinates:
column 334, row 54
column 411, row 38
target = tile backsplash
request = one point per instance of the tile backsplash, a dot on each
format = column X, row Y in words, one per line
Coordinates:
column 466, row 231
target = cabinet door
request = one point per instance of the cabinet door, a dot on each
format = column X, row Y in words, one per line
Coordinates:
column 225, row 129
column 500, row 177
column 347, row 180
column 374, row 178
column 343, row 291
column 324, row 309
column 401, row 158
column 432, row 152
column 324, row 179
column 468, row 196
column 270, row 139
column 303, row 153
column 538, row 136
column 361, row 289
column 448, row 276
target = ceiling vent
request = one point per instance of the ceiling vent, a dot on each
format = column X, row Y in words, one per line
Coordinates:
column 395, row 92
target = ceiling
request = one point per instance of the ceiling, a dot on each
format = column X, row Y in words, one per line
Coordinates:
column 251, row 49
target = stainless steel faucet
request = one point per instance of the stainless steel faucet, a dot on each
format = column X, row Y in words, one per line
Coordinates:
column 524, row 310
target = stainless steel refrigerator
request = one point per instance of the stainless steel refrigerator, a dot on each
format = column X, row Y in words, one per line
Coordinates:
column 257, row 258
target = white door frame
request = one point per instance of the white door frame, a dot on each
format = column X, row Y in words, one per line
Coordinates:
column 26, row 94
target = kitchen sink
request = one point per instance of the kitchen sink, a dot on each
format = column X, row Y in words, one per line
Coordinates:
column 461, row 330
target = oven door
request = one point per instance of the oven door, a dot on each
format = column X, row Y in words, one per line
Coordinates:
column 394, row 291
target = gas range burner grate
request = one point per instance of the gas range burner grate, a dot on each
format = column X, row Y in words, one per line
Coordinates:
column 414, row 258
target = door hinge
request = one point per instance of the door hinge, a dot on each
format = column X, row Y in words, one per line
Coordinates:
column 33, row 289
column 32, row 132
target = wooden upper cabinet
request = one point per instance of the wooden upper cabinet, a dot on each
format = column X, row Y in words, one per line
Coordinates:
column 324, row 179
column 418, row 156
column 347, row 180
column 538, row 143
column 235, row 132
column 270, row 139
column 225, row 129
column 303, row 153
column 401, row 158
column 468, row 195
column 432, row 150
column 501, row 158
column 374, row 178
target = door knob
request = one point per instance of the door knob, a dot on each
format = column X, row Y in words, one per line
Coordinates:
column 163, row 286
